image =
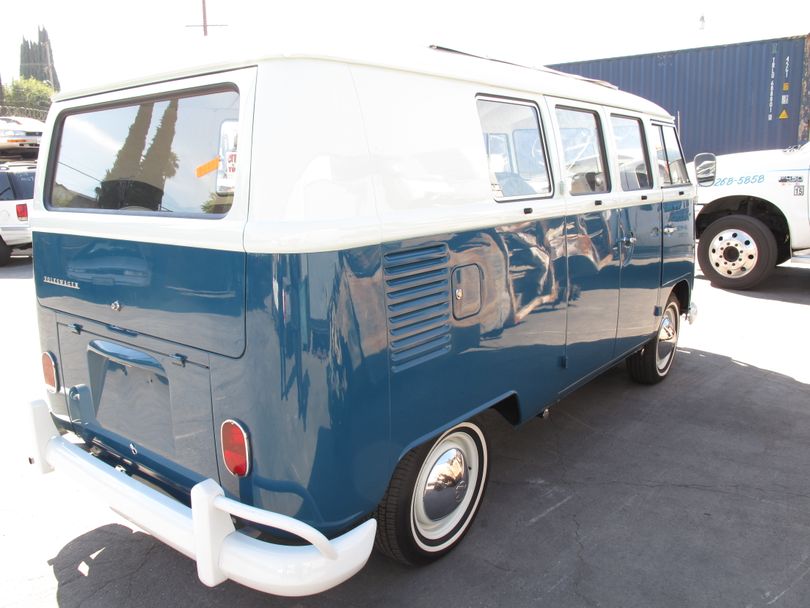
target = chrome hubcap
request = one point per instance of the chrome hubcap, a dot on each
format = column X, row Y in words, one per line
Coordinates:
column 733, row 253
column 446, row 485
column 667, row 339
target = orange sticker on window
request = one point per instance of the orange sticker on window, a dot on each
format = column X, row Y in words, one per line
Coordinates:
column 208, row 167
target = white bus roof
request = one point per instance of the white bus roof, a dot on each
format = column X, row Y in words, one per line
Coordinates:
column 431, row 61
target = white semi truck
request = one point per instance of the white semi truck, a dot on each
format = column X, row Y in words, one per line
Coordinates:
column 753, row 216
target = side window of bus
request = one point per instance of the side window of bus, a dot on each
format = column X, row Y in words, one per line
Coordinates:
column 671, row 166
column 515, row 149
column 583, row 151
column 634, row 163
column 661, row 156
column 677, row 166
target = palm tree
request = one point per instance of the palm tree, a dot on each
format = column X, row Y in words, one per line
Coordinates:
column 160, row 163
column 128, row 160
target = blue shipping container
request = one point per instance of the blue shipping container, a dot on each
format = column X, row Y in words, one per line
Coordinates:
column 731, row 98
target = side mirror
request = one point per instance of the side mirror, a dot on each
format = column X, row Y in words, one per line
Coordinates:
column 705, row 168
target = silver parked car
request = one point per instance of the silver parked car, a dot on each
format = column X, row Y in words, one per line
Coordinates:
column 19, row 135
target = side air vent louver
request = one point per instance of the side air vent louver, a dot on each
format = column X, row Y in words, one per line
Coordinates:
column 417, row 297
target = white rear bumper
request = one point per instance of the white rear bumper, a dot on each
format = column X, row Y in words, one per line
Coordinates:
column 205, row 532
column 15, row 236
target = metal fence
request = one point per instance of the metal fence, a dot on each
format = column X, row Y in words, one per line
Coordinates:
column 23, row 112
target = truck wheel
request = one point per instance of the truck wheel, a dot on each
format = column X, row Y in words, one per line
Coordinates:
column 5, row 253
column 652, row 363
column 433, row 496
column 737, row 252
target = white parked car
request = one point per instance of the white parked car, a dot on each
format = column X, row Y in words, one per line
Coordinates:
column 20, row 135
column 16, row 192
column 754, row 216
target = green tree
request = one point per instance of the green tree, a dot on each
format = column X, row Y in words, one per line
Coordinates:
column 160, row 163
column 217, row 203
column 36, row 59
column 28, row 93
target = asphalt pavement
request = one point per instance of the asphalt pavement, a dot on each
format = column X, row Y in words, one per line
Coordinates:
column 691, row 493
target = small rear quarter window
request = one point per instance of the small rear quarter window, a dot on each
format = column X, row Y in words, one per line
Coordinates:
column 173, row 155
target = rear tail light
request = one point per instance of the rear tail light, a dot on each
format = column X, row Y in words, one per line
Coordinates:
column 49, row 372
column 22, row 212
column 235, row 448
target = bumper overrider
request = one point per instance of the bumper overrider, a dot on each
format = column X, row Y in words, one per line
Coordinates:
column 205, row 532
column 692, row 313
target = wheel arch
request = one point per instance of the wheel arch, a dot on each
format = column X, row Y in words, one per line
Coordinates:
column 759, row 208
column 509, row 409
column 683, row 293
column 506, row 406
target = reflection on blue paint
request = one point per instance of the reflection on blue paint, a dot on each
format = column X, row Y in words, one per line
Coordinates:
column 340, row 362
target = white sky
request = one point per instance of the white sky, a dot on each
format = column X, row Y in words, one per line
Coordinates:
column 93, row 39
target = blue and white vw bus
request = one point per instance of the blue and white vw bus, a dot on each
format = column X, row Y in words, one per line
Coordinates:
column 276, row 297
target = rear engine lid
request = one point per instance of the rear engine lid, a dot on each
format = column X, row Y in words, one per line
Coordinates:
column 190, row 296
column 135, row 398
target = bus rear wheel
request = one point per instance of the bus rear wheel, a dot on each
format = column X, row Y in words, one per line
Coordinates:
column 434, row 496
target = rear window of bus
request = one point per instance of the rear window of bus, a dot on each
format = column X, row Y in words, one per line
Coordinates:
column 174, row 155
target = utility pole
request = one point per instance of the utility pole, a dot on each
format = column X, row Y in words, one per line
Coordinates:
column 205, row 20
column 205, row 25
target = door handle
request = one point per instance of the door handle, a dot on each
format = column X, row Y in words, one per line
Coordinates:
column 670, row 230
column 629, row 241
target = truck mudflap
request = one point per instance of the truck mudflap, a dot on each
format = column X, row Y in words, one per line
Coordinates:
column 205, row 531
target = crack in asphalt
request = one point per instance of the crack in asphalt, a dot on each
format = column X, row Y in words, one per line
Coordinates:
column 582, row 563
